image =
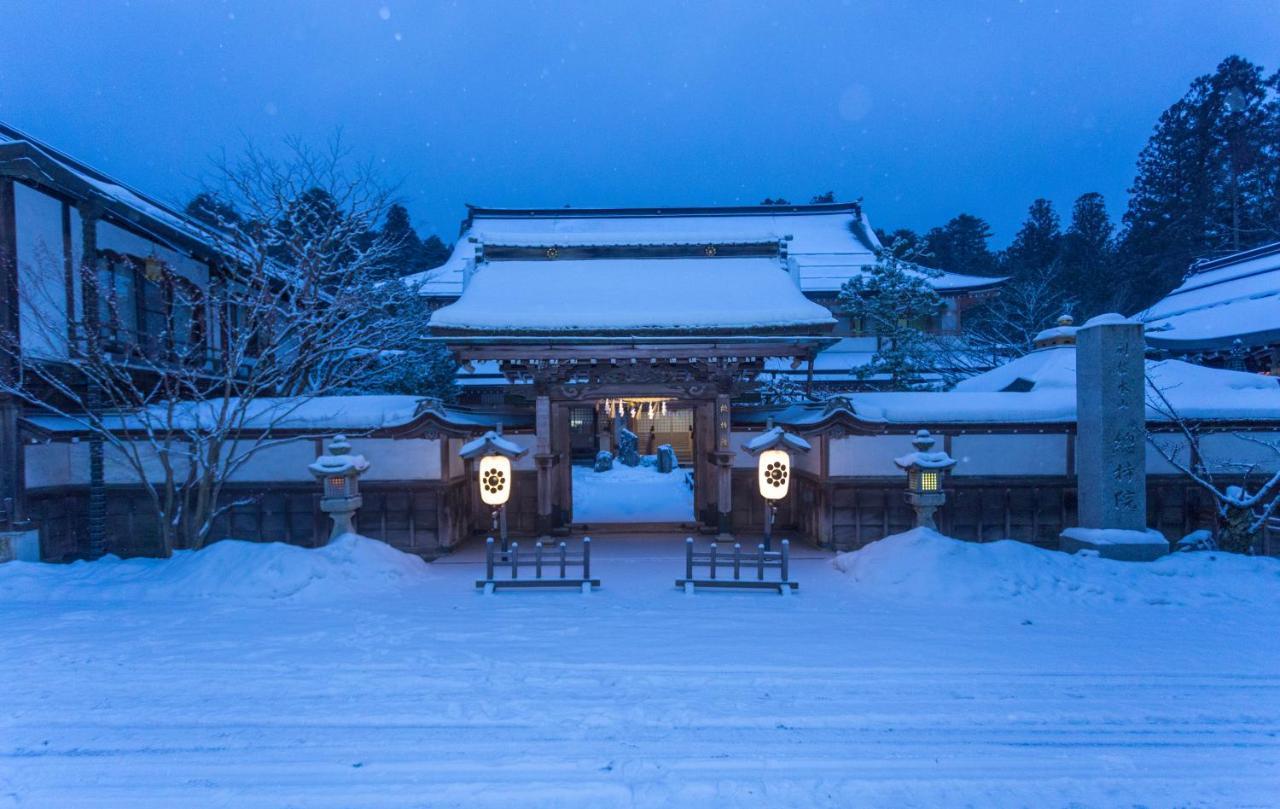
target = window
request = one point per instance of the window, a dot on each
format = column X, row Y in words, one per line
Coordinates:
column 144, row 306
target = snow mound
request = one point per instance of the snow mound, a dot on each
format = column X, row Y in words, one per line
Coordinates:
column 350, row 564
column 922, row 565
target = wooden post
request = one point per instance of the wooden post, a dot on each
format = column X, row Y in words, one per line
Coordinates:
column 786, row 560
column 724, row 466
column 12, row 484
column 543, row 458
column 688, row 557
column 488, row 559
column 586, row 557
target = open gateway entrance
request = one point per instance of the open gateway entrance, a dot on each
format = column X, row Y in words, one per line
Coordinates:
column 640, row 494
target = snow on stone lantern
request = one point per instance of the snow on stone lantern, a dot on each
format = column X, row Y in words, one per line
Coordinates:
column 772, row 450
column 925, row 469
column 339, row 474
column 494, row 473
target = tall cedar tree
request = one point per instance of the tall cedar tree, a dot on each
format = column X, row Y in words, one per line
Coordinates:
column 1035, row 247
column 961, row 246
column 1208, row 180
column 902, row 242
column 1088, row 258
column 893, row 301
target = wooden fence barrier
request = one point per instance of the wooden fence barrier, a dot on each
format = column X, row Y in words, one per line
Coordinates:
column 760, row 561
column 556, row 564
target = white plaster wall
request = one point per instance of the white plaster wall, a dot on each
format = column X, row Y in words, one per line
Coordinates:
column 867, row 455
column 285, row 463
column 529, row 441
column 1230, row 452
column 1156, row 464
column 47, row 465
column 1013, row 454
column 42, row 285
column 399, row 459
column 741, row 460
column 810, row 461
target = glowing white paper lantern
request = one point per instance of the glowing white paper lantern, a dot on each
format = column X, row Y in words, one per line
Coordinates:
column 774, row 474
column 495, row 479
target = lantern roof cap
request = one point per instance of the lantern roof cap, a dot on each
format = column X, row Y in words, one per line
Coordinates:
column 774, row 437
column 491, row 443
column 924, row 457
column 338, row 460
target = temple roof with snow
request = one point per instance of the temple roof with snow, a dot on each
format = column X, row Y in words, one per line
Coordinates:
column 827, row 244
column 22, row 155
column 1230, row 298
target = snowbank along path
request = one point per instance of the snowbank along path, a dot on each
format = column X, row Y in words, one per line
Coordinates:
column 918, row 672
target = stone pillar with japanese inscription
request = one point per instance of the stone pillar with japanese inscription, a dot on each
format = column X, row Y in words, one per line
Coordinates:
column 724, row 465
column 1111, row 479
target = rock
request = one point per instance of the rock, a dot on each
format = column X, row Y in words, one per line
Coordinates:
column 604, row 461
column 1200, row 540
column 627, row 442
column 1115, row 543
column 667, row 461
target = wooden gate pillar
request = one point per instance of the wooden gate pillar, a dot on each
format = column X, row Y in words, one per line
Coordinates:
column 724, row 466
column 544, row 458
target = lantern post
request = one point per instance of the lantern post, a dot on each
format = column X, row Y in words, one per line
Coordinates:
column 339, row 473
column 772, row 450
column 494, row 474
column 925, row 470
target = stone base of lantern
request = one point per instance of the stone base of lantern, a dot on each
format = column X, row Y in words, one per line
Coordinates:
column 342, row 510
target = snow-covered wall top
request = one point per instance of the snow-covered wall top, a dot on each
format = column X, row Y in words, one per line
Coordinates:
column 829, row 243
column 609, row 295
column 1226, row 300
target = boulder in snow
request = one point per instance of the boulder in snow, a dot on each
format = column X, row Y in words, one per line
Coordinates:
column 604, row 461
column 667, row 461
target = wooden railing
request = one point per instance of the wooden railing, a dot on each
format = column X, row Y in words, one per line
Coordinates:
column 550, row 569
column 718, row 564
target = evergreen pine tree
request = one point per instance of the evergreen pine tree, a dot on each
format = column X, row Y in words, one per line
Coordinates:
column 407, row 253
column 1035, row 247
column 434, row 252
column 1088, row 259
column 894, row 301
column 213, row 210
column 1208, row 179
column 961, row 246
column 903, row 242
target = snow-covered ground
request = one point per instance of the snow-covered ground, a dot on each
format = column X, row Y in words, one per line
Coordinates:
column 631, row 494
column 917, row 672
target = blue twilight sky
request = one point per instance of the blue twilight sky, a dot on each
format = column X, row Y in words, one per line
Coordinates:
column 922, row 109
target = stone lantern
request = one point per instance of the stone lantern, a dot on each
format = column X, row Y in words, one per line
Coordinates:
column 339, row 473
column 494, row 473
column 773, row 449
column 925, row 470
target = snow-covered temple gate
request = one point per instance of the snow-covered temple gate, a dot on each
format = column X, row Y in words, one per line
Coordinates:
column 704, row 374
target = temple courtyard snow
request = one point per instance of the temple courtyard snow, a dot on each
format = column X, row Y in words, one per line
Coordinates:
column 630, row 494
column 918, row 671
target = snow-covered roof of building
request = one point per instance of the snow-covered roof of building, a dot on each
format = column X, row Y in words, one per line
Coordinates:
column 612, row 296
column 829, row 243
column 1040, row 388
column 316, row 414
column 157, row 220
column 1234, row 297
